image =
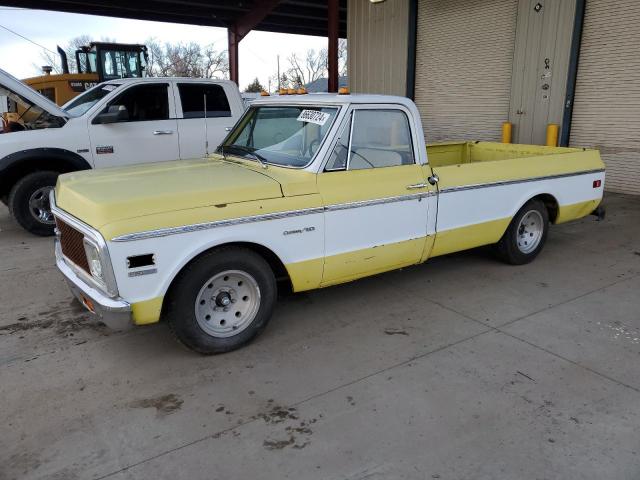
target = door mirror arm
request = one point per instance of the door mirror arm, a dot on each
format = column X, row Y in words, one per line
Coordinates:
column 114, row 114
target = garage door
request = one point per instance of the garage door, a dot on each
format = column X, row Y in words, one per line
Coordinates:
column 463, row 67
column 606, row 112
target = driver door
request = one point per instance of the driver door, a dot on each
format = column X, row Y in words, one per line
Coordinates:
column 375, row 196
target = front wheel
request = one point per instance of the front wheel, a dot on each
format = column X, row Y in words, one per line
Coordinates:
column 222, row 300
column 29, row 202
column 526, row 235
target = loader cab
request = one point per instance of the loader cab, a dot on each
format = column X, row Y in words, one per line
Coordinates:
column 112, row 60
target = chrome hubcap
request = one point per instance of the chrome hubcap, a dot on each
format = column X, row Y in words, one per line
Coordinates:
column 530, row 231
column 40, row 207
column 227, row 303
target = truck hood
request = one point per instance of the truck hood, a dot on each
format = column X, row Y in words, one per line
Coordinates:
column 101, row 197
column 21, row 89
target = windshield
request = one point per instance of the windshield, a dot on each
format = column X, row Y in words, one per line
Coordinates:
column 282, row 135
column 18, row 113
column 79, row 105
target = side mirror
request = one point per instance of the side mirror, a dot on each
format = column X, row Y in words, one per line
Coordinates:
column 115, row 114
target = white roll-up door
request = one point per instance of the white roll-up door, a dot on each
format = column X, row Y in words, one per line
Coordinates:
column 606, row 112
column 464, row 60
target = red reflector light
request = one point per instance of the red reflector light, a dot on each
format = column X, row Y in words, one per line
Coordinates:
column 597, row 183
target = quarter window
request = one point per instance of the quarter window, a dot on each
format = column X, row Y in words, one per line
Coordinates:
column 193, row 97
column 338, row 159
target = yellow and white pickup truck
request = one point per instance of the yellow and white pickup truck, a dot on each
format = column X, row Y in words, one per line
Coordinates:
column 306, row 191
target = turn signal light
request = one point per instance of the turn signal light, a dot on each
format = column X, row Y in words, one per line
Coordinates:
column 597, row 183
column 343, row 91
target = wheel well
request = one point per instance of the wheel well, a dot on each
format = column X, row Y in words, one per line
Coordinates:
column 551, row 203
column 278, row 268
column 25, row 166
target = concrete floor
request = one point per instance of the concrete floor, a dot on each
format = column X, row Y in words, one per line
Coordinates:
column 462, row 368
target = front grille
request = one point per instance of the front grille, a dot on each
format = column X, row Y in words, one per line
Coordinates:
column 71, row 243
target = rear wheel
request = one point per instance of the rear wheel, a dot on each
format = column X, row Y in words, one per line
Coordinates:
column 29, row 202
column 222, row 300
column 526, row 235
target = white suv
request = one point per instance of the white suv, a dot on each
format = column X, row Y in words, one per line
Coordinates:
column 119, row 122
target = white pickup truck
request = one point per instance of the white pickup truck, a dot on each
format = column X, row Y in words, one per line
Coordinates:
column 116, row 123
column 306, row 191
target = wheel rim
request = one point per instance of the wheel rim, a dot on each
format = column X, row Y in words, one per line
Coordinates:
column 40, row 207
column 227, row 303
column 530, row 231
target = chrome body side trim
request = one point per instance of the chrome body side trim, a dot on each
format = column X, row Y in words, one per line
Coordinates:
column 513, row 182
column 379, row 201
column 163, row 232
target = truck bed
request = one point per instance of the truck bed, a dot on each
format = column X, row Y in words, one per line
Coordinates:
column 456, row 153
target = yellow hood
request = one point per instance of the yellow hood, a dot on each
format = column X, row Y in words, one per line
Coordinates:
column 100, row 197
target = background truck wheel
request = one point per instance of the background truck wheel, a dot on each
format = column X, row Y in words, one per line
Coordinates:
column 526, row 235
column 29, row 202
column 222, row 300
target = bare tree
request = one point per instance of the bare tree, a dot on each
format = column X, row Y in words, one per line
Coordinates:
column 308, row 68
column 186, row 60
column 53, row 59
column 314, row 65
column 342, row 57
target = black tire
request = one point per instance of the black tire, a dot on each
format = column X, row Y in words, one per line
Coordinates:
column 21, row 195
column 181, row 305
column 513, row 247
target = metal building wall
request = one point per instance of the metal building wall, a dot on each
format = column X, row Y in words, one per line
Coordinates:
column 606, row 112
column 377, row 42
column 463, row 66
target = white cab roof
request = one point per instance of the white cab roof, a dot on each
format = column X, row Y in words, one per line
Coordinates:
column 332, row 99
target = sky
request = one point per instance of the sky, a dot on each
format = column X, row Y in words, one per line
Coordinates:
column 258, row 50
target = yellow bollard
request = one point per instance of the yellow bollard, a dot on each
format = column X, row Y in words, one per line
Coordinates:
column 506, row 132
column 552, row 135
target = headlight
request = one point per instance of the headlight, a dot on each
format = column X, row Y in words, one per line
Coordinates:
column 94, row 260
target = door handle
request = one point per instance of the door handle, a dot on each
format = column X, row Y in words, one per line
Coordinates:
column 163, row 132
column 227, row 129
column 433, row 179
column 416, row 185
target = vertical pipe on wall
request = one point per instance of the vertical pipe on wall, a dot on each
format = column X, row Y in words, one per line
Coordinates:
column 412, row 32
column 576, row 39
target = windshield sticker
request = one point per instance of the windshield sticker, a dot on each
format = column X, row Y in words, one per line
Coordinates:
column 313, row 116
column 109, row 88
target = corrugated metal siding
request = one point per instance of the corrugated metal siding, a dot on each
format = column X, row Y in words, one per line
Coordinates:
column 377, row 39
column 606, row 112
column 463, row 67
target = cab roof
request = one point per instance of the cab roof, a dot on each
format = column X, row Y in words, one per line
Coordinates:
column 331, row 99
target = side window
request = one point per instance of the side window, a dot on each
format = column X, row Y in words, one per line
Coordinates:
column 193, row 96
column 144, row 102
column 380, row 138
column 338, row 159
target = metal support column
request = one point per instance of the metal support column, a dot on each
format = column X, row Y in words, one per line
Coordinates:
column 233, row 54
column 332, row 33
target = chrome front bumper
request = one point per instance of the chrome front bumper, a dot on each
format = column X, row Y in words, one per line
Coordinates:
column 114, row 312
